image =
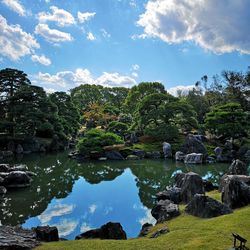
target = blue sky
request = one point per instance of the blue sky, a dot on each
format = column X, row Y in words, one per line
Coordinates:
column 61, row 44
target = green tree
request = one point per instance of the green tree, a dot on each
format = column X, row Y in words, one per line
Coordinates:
column 11, row 80
column 229, row 121
column 67, row 112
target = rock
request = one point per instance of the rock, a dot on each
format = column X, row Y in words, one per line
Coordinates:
column 205, row 207
column 16, row 238
column 42, row 149
column 209, row 186
column 227, row 178
column 237, row 167
column 210, row 160
column 236, row 193
column 145, row 229
column 224, row 155
column 102, row 159
column 193, row 158
column 17, row 179
column 167, row 151
column 4, row 168
column 200, row 137
column 30, row 173
column 139, row 153
column 160, row 232
column 113, row 155
column 173, row 194
column 165, row 210
column 46, row 233
column 3, row 190
column 247, row 156
column 1, row 180
column 218, row 151
column 19, row 149
column 190, row 184
column 20, row 167
column 95, row 155
column 132, row 157
column 193, row 145
column 179, row 156
column 108, row 231
column 153, row 155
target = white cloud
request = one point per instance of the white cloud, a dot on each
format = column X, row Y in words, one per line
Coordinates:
column 180, row 89
column 41, row 59
column 52, row 35
column 15, row 6
column 85, row 227
column 90, row 36
column 218, row 26
column 60, row 16
column 85, row 16
column 105, row 34
column 148, row 218
column 65, row 227
column 14, row 42
column 132, row 3
column 92, row 208
column 55, row 211
column 134, row 74
column 49, row 90
column 70, row 79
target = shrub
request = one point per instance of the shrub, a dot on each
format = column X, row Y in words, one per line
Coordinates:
column 96, row 139
column 118, row 128
column 45, row 130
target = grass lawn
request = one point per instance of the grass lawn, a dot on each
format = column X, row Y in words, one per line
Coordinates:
column 186, row 232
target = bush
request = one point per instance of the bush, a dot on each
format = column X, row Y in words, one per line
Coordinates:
column 96, row 139
column 45, row 130
column 163, row 132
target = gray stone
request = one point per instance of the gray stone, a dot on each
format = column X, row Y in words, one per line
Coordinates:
column 17, row 179
column 16, row 238
column 46, row 233
column 114, row 155
column 227, row 178
column 145, row 229
column 165, row 210
column 179, row 156
column 7, row 154
column 4, row 168
column 160, row 232
column 139, row 153
column 190, row 184
column 167, row 150
column 236, row 193
column 247, row 156
column 205, row 207
column 133, row 157
column 153, row 155
column 237, row 168
column 193, row 158
column 173, row 194
column 108, row 231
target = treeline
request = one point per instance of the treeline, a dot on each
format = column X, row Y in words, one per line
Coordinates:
column 220, row 106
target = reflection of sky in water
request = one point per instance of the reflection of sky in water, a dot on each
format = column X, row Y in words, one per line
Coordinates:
column 90, row 206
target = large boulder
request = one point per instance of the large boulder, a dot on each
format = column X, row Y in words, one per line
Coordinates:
column 165, row 210
column 193, row 158
column 205, row 207
column 113, row 155
column 19, row 149
column 133, row 157
column 193, row 145
column 167, row 150
column 108, row 231
column 145, row 229
column 159, row 232
column 179, row 156
column 225, row 180
column 247, row 156
column 173, row 194
column 139, row 153
column 153, row 155
column 237, row 167
column 16, row 238
column 17, row 179
column 236, row 193
column 4, row 168
column 3, row 190
column 190, row 184
column 46, row 233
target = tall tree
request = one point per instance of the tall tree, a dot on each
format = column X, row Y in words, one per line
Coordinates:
column 11, row 80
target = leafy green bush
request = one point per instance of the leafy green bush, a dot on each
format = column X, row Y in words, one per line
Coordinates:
column 96, row 139
column 45, row 130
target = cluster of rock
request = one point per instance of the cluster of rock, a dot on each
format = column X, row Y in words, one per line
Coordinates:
column 19, row 238
column 16, row 176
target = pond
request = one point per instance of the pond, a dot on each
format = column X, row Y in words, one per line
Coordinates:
column 76, row 197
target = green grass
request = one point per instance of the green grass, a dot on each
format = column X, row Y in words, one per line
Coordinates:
column 186, row 232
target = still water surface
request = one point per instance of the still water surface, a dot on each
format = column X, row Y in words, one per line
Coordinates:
column 77, row 197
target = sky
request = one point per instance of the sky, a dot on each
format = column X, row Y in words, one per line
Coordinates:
column 61, row 44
